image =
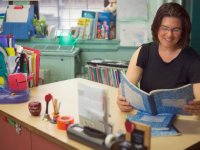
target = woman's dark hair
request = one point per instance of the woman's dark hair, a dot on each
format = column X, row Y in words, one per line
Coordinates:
column 173, row 10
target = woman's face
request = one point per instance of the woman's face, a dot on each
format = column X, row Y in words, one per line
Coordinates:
column 169, row 32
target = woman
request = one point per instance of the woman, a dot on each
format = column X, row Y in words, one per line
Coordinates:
column 167, row 62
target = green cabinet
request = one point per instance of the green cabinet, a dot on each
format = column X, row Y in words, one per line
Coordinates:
column 59, row 65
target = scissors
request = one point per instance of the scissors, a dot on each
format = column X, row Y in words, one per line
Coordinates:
column 20, row 60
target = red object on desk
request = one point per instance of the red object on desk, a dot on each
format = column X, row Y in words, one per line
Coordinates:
column 64, row 121
column 129, row 126
column 35, row 108
column 18, row 7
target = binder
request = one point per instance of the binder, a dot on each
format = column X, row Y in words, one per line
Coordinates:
column 35, row 63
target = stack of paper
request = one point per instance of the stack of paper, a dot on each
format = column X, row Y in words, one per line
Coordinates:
column 92, row 107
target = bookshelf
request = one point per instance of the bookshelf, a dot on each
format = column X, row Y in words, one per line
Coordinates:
column 106, row 71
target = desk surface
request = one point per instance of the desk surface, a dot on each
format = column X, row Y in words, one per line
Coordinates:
column 67, row 93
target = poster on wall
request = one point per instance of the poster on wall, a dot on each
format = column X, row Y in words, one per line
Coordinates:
column 133, row 35
column 135, row 9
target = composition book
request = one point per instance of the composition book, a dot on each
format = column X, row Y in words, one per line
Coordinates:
column 157, row 101
column 159, row 122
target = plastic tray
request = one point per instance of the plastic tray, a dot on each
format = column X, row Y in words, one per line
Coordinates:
column 6, row 97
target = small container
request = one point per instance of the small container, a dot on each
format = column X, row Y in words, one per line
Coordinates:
column 34, row 108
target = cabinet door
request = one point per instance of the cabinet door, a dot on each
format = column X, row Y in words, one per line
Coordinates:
column 10, row 139
column 40, row 143
column 60, row 68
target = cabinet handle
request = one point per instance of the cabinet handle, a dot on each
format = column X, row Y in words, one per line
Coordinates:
column 78, row 59
column 16, row 125
column 18, row 128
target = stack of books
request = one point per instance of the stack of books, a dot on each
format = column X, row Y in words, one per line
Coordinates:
column 157, row 108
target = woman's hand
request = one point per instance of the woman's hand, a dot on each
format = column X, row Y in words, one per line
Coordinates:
column 193, row 107
column 123, row 104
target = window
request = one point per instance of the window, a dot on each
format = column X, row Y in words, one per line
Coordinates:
column 63, row 13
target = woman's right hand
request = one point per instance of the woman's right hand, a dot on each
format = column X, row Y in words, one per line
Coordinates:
column 123, row 104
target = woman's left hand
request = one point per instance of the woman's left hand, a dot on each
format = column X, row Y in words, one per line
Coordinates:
column 193, row 107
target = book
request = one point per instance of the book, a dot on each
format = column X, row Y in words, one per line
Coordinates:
column 84, row 27
column 81, row 27
column 88, row 29
column 34, row 63
column 162, row 121
column 157, row 101
column 112, row 34
column 106, row 26
column 93, row 16
column 171, row 132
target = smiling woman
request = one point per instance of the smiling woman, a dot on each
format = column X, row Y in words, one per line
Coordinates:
column 167, row 62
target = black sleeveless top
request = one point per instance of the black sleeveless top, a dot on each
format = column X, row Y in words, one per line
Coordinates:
column 157, row 74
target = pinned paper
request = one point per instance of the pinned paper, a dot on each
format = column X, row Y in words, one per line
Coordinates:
column 133, row 35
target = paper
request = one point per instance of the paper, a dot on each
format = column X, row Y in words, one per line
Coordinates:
column 17, row 15
column 132, row 35
column 11, row 63
column 92, row 110
column 135, row 9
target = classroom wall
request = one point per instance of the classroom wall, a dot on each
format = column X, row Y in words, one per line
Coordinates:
column 103, row 49
column 112, row 49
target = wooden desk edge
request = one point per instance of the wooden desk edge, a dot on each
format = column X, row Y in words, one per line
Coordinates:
column 39, row 132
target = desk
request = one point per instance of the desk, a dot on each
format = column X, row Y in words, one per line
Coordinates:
column 66, row 92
